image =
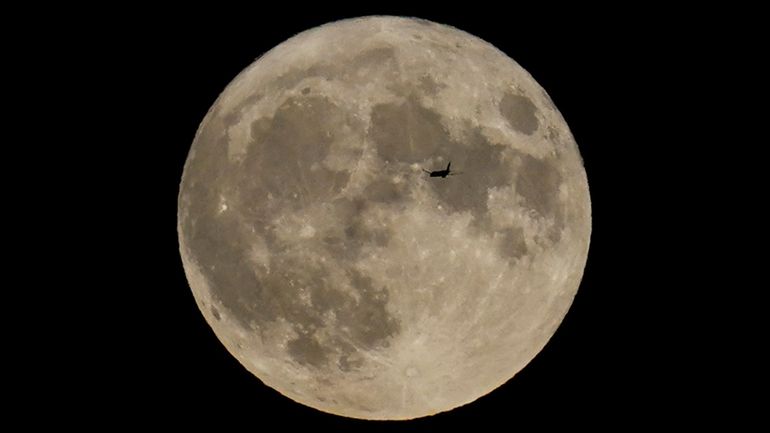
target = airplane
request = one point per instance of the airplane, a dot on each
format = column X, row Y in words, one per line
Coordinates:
column 441, row 173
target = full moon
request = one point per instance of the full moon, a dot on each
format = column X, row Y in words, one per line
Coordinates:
column 338, row 271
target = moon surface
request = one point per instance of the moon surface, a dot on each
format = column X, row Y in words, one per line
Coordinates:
column 338, row 272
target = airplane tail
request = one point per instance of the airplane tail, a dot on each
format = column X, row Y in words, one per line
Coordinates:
column 447, row 166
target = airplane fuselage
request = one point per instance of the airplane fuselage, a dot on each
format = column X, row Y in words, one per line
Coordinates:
column 440, row 173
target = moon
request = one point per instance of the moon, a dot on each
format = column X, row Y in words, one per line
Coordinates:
column 334, row 268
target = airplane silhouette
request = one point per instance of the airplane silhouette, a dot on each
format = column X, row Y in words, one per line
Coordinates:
column 441, row 173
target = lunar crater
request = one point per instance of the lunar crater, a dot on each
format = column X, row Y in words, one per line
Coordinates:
column 520, row 113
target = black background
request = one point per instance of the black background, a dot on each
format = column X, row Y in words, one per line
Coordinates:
column 618, row 80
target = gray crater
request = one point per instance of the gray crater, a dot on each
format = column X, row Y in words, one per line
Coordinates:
column 294, row 142
column 306, row 350
column 511, row 243
column 482, row 167
column 384, row 190
column 537, row 182
column 406, row 132
column 346, row 240
column 519, row 111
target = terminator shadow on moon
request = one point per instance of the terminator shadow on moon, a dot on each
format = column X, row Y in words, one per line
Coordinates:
column 341, row 283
